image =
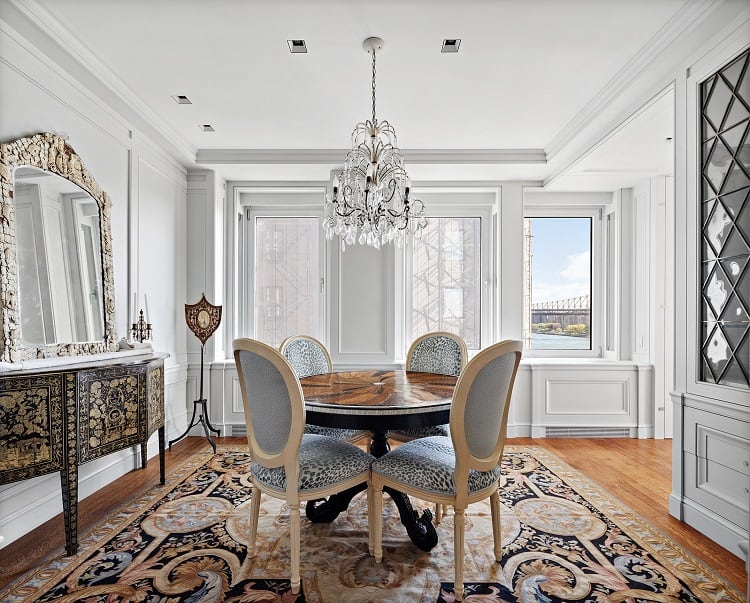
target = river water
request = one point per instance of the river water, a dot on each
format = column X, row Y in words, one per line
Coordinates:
column 542, row 341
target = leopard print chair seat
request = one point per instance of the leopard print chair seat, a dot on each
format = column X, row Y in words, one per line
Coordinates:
column 279, row 448
column 308, row 356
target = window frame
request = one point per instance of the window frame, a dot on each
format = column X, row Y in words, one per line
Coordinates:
column 280, row 204
column 598, row 294
column 485, row 213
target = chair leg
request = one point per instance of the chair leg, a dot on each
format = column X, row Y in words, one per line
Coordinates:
column 370, row 510
column 458, row 553
column 254, row 511
column 294, row 537
column 377, row 520
column 496, row 532
column 438, row 513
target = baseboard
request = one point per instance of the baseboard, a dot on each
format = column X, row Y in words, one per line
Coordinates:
column 28, row 504
column 714, row 527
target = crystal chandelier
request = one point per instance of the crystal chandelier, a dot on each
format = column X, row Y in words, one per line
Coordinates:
column 369, row 202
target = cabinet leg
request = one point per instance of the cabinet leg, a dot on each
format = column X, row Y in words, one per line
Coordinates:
column 69, row 484
column 162, row 467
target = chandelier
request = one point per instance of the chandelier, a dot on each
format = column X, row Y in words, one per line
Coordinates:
column 369, row 202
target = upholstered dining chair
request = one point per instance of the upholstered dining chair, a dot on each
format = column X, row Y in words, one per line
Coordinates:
column 308, row 356
column 461, row 469
column 437, row 352
column 286, row 463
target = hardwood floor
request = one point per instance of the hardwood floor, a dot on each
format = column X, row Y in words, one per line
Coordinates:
column 638, row 472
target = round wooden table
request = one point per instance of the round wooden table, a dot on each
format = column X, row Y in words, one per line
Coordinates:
column 378, row 401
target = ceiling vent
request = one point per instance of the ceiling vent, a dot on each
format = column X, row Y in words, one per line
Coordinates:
column 206, row 127
column 451, row 45
column 181, row 99
column 297, row 46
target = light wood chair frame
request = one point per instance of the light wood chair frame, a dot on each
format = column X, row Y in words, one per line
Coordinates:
column 287, row 458
column 465, row 461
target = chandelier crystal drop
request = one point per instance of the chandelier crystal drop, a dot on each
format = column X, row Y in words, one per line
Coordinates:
column 369, row 200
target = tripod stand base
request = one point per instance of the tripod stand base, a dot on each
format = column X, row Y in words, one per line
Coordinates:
column 202, row 418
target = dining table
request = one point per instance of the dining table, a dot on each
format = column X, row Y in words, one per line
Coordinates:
column 378, row 401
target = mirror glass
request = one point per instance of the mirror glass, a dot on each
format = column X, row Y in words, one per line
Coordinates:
column 58, row 244
column 57, row 294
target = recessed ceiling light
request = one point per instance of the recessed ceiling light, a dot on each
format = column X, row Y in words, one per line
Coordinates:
column 207, row 127
column 451, row 45
column 297, row 46
column 181, row 99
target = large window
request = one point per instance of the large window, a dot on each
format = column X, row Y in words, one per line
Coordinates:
column 444, row 278
column 286, row 275
column 559, row 278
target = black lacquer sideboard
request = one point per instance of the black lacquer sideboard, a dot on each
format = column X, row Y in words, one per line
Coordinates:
column 55, row 419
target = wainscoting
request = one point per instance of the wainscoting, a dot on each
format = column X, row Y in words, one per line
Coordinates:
column 551, row 398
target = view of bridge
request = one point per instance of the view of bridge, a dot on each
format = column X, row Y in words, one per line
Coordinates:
column 570, row 317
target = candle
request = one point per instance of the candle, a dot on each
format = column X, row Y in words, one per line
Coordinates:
column 145, row 299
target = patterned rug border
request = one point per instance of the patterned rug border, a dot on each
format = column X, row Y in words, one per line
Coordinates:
column 704, row 578
column 652, row 539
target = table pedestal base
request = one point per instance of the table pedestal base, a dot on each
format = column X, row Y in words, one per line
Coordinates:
column 420, row 529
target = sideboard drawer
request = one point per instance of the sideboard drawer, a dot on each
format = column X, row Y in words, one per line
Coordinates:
column 32, row 432
column 111, row 413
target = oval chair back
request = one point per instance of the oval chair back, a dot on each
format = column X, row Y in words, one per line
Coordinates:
column 437, row 352
column 307, row 355
column 274, row 407
column 479, row 410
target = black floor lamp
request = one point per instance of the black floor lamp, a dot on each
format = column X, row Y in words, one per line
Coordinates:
column 203, row 319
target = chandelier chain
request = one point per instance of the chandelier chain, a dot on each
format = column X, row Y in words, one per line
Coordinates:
column 373, row 87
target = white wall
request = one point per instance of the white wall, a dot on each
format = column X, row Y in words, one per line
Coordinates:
column 148, row 190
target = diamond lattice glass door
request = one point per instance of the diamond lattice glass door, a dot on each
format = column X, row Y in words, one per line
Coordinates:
column 725, row 226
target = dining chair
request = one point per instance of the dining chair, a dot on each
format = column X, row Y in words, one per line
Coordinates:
column 287, row 463
column 461, row 469
column 308, row 356
column 437, row 352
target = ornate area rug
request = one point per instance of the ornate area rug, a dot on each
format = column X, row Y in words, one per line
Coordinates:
column 564, row 539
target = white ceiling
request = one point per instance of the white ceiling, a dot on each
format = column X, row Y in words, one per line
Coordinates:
column 527, row 70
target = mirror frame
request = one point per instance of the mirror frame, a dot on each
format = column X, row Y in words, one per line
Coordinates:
column 53, row 154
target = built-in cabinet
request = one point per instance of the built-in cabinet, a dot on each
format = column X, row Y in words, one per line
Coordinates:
column 711, row 462
column 57, row 418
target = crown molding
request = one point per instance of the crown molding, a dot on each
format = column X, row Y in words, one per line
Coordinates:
column 680, row 22
column 48, row 27
column 336, row 156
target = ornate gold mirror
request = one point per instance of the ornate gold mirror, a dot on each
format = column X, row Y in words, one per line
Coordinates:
column 56, row 283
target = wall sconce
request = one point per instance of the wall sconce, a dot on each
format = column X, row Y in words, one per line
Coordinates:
column 141, row 330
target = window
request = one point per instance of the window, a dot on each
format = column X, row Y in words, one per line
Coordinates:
column 284, row 271
column 444, row 276
column 559, row 278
